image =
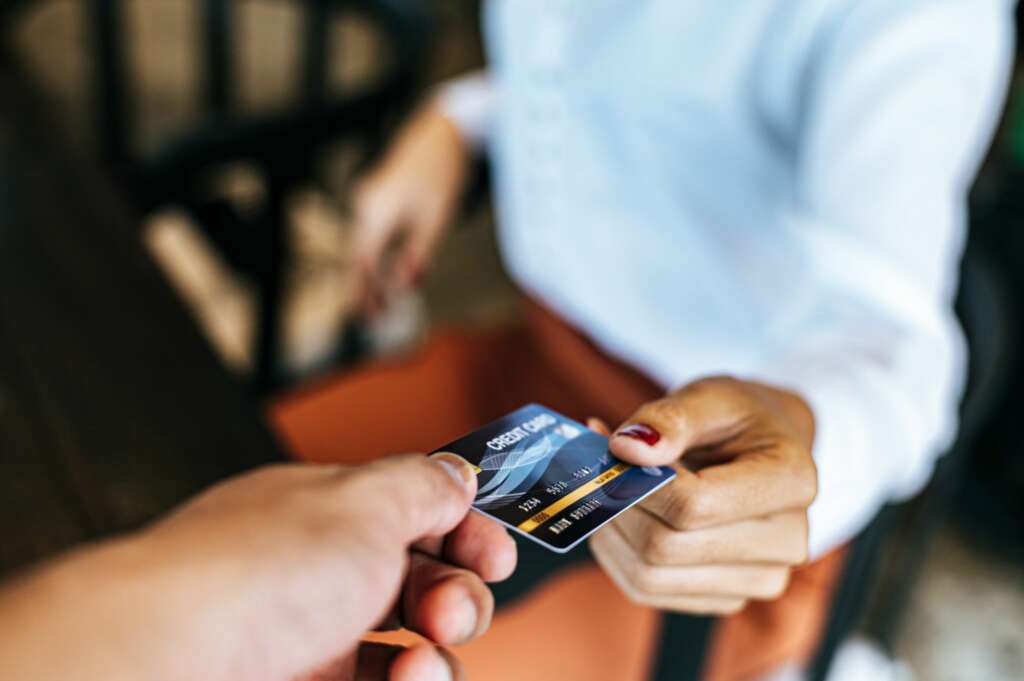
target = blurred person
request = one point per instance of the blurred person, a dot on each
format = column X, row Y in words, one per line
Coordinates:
column 274, row 575
column 737, row 231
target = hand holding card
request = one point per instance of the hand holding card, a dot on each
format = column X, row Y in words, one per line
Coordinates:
column 733, row 523
column 551, row 479
column 288, row 566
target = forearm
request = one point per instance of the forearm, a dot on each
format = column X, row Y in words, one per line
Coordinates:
column 108, row 611
column 267, row 576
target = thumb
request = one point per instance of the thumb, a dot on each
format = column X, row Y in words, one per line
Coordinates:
column 702, row 413
column 426, row 496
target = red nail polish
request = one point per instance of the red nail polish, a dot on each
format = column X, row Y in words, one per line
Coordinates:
column 641, row 431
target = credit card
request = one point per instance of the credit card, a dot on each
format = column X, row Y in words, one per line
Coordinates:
column 551, row 479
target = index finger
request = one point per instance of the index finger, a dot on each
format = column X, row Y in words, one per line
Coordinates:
column 755, row 484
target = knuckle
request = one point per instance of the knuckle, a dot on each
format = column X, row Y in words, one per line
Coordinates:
column 639, row 599
column 773, row 584
column 796, row 549
column 645, row 580
column 396, row 462
column 661, row 412
column 676, row 510
column 366, row 477
column 811, row 484
column 713, row 384
column 716, row 381
column 678, row 505
column 801, row 472
column 319, row 519
column 702, row 548
column 693, row 511
column 807, row 479
column 655, row 545
column 782, row 584
column 732, row 607
column 801, row 552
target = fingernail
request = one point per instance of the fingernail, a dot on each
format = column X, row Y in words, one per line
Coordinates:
column 640, row 431
column 465, row 620
column 438, row 670
column 455, row 466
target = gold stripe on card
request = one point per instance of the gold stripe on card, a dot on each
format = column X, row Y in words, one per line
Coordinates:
column 571, row 498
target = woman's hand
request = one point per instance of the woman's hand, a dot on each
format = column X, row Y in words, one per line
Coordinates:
column 404, row 205
column 733, row 523
column 273, row 575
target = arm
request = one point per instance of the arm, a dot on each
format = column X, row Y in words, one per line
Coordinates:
column 900, row 109
column 406, row 202
column 272, row 575
column 899, row 113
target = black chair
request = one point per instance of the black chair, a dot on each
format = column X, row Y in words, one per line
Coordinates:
column 283, row 148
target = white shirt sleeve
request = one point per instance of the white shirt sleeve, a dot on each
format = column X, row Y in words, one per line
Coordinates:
column 469, row 102
column 899, row 110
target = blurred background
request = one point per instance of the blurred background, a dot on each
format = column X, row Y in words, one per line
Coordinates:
column 235, row 131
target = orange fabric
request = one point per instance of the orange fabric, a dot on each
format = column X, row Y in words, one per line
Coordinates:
column 767, row 635
column 526, row 642
column 461, row 380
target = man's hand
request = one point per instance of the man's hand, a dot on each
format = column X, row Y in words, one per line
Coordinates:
column 273, row 575
column 733, row 523
column 405, row 204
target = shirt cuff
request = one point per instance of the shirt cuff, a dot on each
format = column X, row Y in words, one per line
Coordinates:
column 852, row 483
column 468, row 101
column 871, row 445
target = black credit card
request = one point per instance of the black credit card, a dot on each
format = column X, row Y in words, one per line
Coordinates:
column 550, row 478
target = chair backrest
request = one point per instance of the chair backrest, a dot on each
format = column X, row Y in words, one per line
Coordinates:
column 223, row 132
column 281, row 147
column 403, row 22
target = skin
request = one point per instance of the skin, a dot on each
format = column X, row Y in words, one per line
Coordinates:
column 733, row 524
column 404, row 206
column 276, row 574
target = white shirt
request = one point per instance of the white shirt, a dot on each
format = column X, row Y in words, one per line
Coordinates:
column 770, row 189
